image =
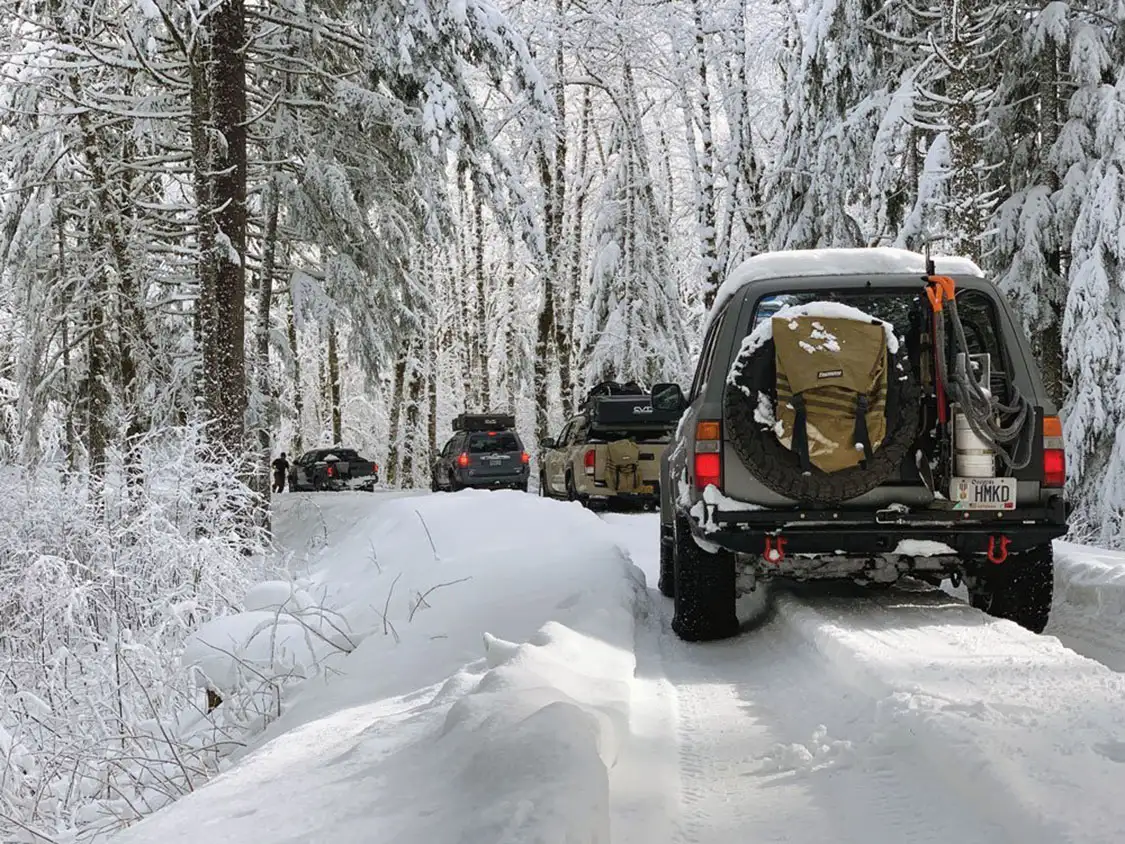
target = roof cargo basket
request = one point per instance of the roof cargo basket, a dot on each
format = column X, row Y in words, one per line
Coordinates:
column 484, row 422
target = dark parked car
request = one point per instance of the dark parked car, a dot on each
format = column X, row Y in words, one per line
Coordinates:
column 333, row 469
column 888, row 420
column 485, row 452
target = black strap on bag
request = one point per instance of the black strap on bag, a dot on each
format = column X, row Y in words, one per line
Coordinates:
column 801, row 432
column 861, row 435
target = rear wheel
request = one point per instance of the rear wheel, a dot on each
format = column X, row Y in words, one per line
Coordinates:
column 704, row 601
column 571, row 492
column 1020, row 589
column 667, row 582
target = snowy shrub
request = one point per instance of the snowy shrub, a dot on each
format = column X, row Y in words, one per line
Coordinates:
column 101, row 582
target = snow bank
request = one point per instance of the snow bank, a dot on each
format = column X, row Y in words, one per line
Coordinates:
column 1041, row 728
column 801, row 263
column 485, row 699
column 1088, row 613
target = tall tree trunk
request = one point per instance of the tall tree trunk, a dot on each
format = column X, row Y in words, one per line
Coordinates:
column 220, row 167
column 398, row 394
column 431, row 397
column 481, row 346
column 298, row 400
column 706, row 204
column 548, row 329
column 510, row 374
column 1049, row 335
column 413, row 396
column 574, row 257
column 96, row 390
column 262, row 338
column 334, row 385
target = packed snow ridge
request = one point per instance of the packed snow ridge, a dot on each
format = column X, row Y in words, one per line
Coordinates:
column 470, row 659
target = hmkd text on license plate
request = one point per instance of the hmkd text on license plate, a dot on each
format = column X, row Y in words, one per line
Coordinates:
column 983, row 493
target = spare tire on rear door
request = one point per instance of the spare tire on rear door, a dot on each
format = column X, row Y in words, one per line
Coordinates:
column 840, row 369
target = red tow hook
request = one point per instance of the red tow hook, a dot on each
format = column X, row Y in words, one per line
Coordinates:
column 995, row 555
column 775, row 549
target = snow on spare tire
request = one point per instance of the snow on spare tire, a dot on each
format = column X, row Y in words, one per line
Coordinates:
column 750, row 396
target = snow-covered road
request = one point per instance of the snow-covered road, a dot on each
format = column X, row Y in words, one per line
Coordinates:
column 508, row 677
column 899, row 716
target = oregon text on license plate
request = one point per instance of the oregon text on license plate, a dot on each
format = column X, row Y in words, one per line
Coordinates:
column 983, row 493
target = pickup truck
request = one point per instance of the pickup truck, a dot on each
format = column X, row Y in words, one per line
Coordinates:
column 333, row 469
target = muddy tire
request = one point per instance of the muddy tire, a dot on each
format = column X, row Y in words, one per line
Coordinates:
column 779, row 468
column 704, row 600
column 1020, row 589
column 667, row 580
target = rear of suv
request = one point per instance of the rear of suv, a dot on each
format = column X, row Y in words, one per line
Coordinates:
column 484, row 452
column 609, row 454
column 949, row 460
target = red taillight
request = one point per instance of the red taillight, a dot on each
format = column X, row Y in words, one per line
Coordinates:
column 1054, row 457
column 525, row 458
column 589, row 460
column 708, row 463
column 331, row 471
column 463, row 460
column 708, row 470
column 375, row 468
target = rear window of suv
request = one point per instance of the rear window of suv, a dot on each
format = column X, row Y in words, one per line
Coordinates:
column 497, row 443
column 901, row 308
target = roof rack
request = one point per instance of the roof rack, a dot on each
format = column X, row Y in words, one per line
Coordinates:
column 484, row 422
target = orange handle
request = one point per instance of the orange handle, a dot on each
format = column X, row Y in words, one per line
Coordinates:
column 941, row 287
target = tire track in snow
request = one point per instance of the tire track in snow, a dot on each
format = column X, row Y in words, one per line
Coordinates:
column 728, row 738
column 757, row 763
column 1019, row 727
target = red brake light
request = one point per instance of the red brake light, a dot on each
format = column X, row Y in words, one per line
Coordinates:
column 589, row 461
column 525, row 458
column 463, row 459
column 708, row 470
column 331, row 471
column 1054, row 457
column 708, row 462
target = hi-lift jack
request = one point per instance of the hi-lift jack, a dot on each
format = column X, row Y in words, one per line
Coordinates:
column 939, row 289
column 775, row 549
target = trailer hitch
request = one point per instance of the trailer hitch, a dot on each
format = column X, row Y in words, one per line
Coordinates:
column 775, row 549
column 998, row 555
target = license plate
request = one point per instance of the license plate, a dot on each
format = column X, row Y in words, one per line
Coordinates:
column 983, row 493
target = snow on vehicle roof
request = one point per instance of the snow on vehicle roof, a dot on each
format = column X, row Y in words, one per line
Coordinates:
column 809, row 263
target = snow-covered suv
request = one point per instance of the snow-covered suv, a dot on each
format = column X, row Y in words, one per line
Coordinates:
column 955, row 469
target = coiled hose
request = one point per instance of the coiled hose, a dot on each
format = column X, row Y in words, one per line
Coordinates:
column 983, row 410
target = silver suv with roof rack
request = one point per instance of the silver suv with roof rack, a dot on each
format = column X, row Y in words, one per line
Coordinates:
column 861, row 415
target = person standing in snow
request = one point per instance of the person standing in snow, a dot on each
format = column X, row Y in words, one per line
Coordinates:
column 280, row 470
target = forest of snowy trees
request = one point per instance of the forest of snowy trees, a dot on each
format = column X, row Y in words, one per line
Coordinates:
column 230, row 228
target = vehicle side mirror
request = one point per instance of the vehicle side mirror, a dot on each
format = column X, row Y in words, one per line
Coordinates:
column 548, row 442
column 669, row 398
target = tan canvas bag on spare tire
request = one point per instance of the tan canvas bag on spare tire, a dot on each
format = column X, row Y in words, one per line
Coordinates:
column 621, row 470
column 831, row 389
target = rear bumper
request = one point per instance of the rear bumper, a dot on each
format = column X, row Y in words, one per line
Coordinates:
column 493, row 482
column 865, row 533
column 604, row 493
